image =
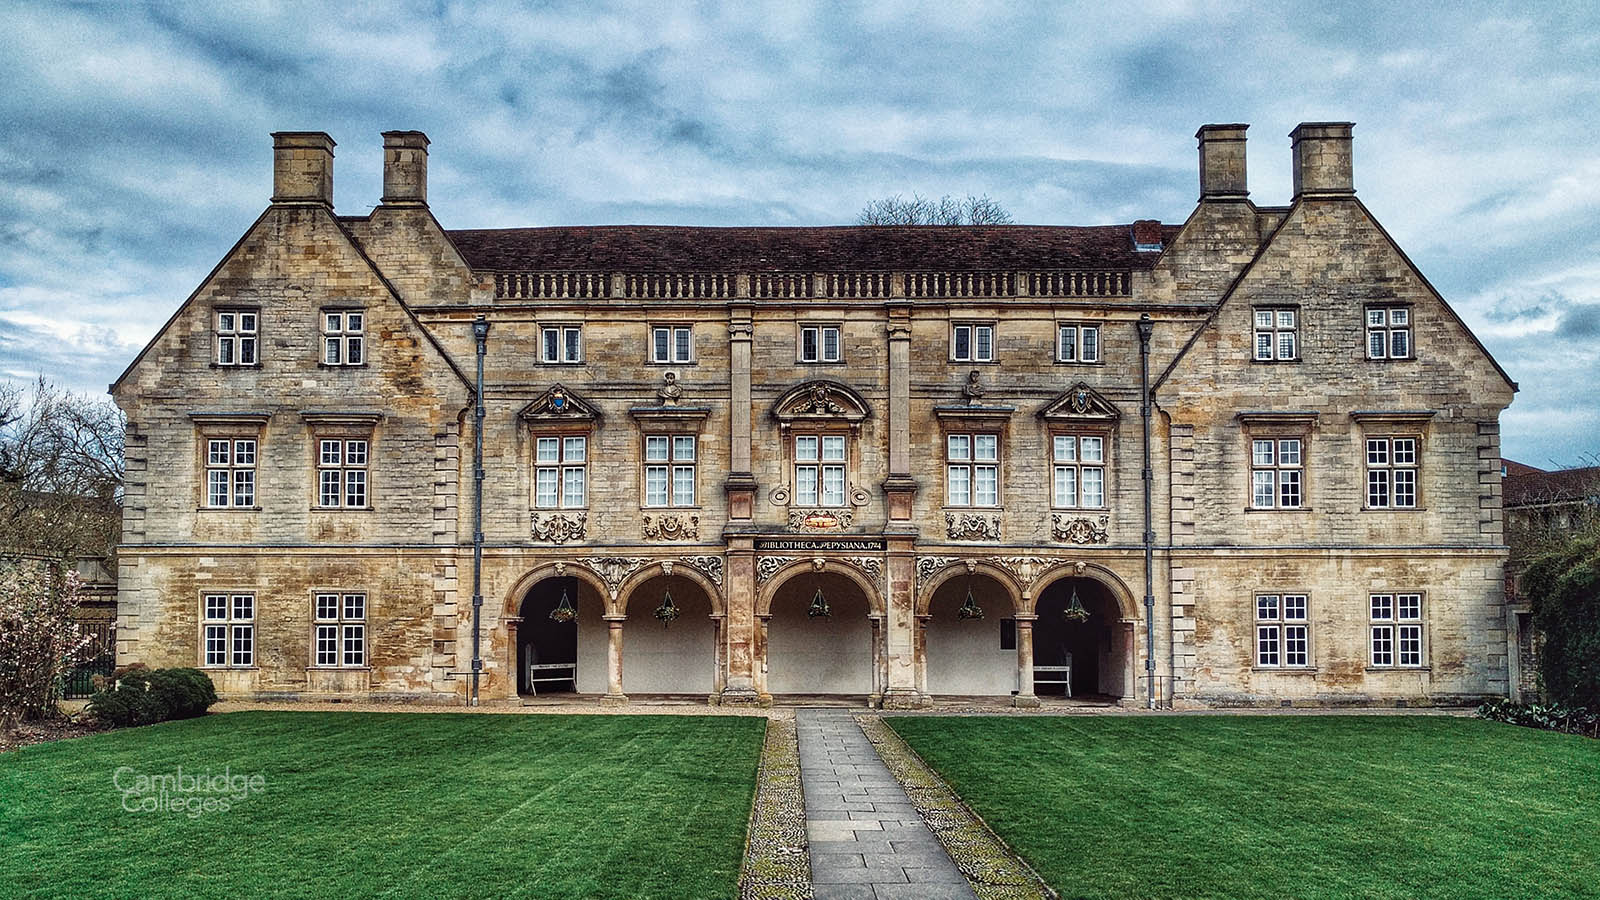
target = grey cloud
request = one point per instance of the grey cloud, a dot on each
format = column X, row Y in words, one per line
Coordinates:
column 1581, row 321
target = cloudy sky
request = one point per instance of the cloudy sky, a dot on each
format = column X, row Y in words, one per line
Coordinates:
column 134, row 143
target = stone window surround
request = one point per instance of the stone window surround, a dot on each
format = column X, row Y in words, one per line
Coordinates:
column 1275, row 331
column 343, row 426
column 344, row 335
column 560, row 328
column 972, row 463
column 1391, row 424
column 1079, row 326
column 672, row 329
column 237, row 335
column 672, row 463
column 339, row 623
column 972, row 349
column 670, row 421
column 1107, row 434
column 1395, row 622
column 1261, row 425
column 1388, row 328
column 821, row 327
column 1310, row 666
column 230, row 625
column 232, row 426
column 561, row 436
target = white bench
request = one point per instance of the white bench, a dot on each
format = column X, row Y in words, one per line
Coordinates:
column 571, row 676
column 1065, row 673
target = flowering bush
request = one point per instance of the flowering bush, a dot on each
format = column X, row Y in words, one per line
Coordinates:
column 39, row 640
column 1549, row 716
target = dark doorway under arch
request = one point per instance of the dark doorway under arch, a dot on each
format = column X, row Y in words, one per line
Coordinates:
column 1097, row 648
column 577, row 646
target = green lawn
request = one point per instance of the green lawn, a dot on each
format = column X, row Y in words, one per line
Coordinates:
column 1290, row 806
column 398, row 805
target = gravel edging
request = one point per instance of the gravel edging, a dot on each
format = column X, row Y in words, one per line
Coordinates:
column 777, row 864
column 993, row 869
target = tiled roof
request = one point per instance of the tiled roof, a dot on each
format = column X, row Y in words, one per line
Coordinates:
column 1563, row 485
column 920, row 248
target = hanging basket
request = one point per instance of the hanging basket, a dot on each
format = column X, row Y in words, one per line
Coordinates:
column 564, row 611
column 970, row 609
column 819, row 607
column 667, row 611
column 1075, row 611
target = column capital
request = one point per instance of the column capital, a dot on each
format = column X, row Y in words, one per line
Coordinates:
column 616, row 619
column 1026, row 619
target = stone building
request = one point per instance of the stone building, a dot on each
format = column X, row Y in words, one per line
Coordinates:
column 893, row 463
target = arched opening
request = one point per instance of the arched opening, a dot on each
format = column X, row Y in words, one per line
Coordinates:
column 829, row 654
column 971, row 657
column 1098, row 649
column 676, row 657
column 561, row 657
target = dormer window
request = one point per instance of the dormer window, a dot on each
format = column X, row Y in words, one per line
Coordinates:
column 344, row 338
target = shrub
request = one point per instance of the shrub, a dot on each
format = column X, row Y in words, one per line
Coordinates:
column 1564, row 588
column 39, row 641
column 1549, row 716
column 156, row 695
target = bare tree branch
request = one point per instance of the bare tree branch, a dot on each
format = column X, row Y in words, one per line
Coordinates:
column 947, row 210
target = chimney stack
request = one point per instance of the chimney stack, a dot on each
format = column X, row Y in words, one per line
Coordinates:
column 1322, row 163
column 1222, row 174
column 302, row 167
column 405, row 168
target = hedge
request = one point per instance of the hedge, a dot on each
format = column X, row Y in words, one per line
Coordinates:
column 1563, row 587
column 149, row 696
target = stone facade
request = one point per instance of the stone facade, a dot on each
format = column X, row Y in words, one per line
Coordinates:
column 941, row 552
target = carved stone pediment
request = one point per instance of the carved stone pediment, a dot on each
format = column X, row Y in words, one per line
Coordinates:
column 557, row 406
column 971, row 527
column 671, row 526
column 1081, row 403
column 820, row 401
column 1072, row 529
column 559, row 528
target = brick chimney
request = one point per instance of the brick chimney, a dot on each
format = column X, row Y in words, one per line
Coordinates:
column 1147, row 235
column 302, row 167
column 1222, row 174
column 1322, row 166
column 405, row 168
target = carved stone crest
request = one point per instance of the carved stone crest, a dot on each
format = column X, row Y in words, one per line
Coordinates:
column 768, row 566
column 711, row 565
column 1026, row 568
column 819, row 519
column 1079, row 529
column 671, row 527
column 871, row 565
column 616, row 569
column 558, row 528
column 971, row 527
column 927, row 566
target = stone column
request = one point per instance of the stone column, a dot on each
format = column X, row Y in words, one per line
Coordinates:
column 763, row 695
column 614, row 692
column 719, row 660
column 899, row 639
column 512, row 623
column 875, row 695
column 740, row 487
column 922, row 654
column 899, row 488
column 740, row 629
column 1025, row 695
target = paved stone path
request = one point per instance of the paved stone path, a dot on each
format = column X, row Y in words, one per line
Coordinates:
column 866, row 840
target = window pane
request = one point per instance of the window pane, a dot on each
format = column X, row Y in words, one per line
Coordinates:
column 683, row 448
column 247, row 351
column 960, row 446
column 1267, row 645
column 1399, row 343
column 957, row 490
column 808, row 345
column 1410, row 645
column 333, row 323
column 330, row 351
column 1092, row 449
column 1261, row 453
column 355, row 487
column 353, row 350
column 986, row 447
column 832, row 447
column 1263, row 345
column 987, row 491
column 1094, row 487
column 833, row 485
column 354, row 322
column 1068, row 342
column 963, row 343
column 1377, row 452
column 572, row 487
column 327, row 645
column 244, row 453
column 355, row 453
column 1382, row 607
column 1289, row 488
column 1285, row 318
column 545, row 488
column 575, row 449
column 655, row 448
column 244, row 607
column 572, row 345
column 1066, row 447
column 1375, row 318
column 830, row 344
column 247, row 322
column 983, row 341
column 681, row 340
column 805, row 448
column 328, row 487
column 655, row 486
column 1405, row 451
column 660, row 351
column 1286, row 345
column 355, row 645
column 549, row 450
column 1294, row 607
column 1288, row 453
column 217, row 606
column 355, row 606
column 225, row 321
column 244, row 487
column 1399, row 317
column 1263, row 318
column 217, row 487
column 1409, row 606
column 683, row 485
column 1405, row 487
column 330, row 452
column 217, row 452
column 1066, row 486
column 1375, row 345
column 1378, row 488
column 805, row 485
column 1383, row 645
column 1267, row 607
column 1295, row 645
column 552, row 345
column 327, row 606
column 1261, row 489
column 216, row 645
column 1091, row 344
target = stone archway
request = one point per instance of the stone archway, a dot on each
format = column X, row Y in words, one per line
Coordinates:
column 826, row 655
column 972, row 657
column 1100, row 649
column 542, row 648
column 675, row 658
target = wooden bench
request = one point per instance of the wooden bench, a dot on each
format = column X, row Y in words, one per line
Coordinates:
column 571, row 676
column 1065, row 673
